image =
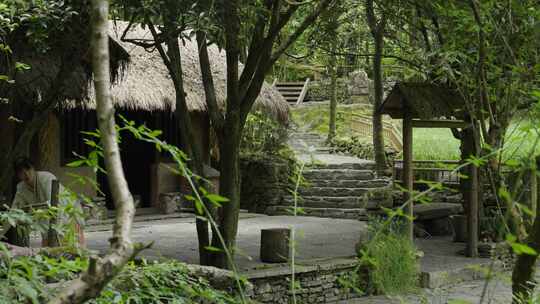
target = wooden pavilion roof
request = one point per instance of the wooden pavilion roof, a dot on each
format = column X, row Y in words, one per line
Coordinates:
column 424, row 100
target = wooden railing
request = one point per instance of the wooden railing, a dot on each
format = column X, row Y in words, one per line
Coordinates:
column 303, row 92
column 439, row 171
column 363, row 126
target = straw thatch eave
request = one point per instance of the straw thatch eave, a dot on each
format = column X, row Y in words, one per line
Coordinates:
column 423, row 100
column 68, row 44
column 147, row 85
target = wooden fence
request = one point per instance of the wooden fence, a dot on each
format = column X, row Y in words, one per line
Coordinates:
column 439, row 171
column 363, row 126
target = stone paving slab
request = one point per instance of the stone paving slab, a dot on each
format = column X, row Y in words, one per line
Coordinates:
column 333, row 159
column 176, row 238
column 497, row 291
column 318, row 238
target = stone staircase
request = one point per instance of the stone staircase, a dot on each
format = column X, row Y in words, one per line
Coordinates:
column 337, row 186
column 307, row 142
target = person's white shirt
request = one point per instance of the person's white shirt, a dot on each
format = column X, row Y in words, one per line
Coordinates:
column 37, row 197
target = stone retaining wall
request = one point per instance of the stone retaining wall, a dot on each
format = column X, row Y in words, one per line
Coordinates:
column 325, row 282
column 264, row 182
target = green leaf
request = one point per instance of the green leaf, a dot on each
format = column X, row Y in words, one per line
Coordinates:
column 519, row 248
column 155, row 133
column 512, row 163
column 76, row 163
column 215, row 198
column 199, row 207
column 213, row 249
column 504, row 194
column 21, row 66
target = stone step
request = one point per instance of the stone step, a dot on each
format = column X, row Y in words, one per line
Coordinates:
column 353, row 183
column 337, row 174
column 324, row 201
column 304, row 135
column 367, row 165
column 343, row 213
column 374, row 203
column 333, row 191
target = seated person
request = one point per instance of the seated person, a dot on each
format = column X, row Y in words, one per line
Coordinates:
column 34, row 192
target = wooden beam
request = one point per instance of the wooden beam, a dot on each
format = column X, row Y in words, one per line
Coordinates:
column 407, row 174
column 52, row 235
column 452, row 124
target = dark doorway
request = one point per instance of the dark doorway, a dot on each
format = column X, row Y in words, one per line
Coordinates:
column 137, row 159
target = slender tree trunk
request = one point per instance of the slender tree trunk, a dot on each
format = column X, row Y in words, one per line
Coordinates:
column 377, row 31
column 229, row 185
column 101, row 270
column 523, row 283
column 191, row 146
column 333, row 97
column 172, row 60
column 378, row 139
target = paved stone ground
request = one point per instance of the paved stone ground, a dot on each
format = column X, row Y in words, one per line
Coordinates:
column 176, row 238
column 318, row 238
column 497, row 291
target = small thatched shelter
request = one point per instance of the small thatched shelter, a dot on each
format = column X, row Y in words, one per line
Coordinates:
column 427, row 105
column 144, row 93
column 425, row 101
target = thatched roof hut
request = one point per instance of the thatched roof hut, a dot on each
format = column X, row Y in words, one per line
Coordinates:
column 146, row 84
column 424, row 100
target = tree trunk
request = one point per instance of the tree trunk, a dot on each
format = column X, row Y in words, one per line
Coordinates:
column 191, row 146
column 378, row 139
column 101, row 270
column 229, row 187
column 333, row 98
column 523, row 283
column 172, row 60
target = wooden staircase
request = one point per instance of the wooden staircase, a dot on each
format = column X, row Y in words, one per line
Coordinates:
column 293, row 92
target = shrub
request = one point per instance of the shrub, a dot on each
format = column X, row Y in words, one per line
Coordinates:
column 361, row 148
column 262, row 134
column 26, row 279
column 390, row 257
column 163, row 282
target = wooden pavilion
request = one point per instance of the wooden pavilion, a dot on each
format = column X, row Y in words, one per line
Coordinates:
column 425, row 105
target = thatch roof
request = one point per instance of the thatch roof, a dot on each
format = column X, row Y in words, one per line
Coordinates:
column 146, row 84
column 424, row 100
column 66, row 41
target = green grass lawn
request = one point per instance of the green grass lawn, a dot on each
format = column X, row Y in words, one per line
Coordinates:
column 436, row 144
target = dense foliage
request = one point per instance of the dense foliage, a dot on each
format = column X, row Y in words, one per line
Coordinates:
column 263, row 135
column 36, row 279
column 26, row 279
column 390, row 257
column 163, row 282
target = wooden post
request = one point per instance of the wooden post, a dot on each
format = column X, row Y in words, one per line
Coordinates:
column 275, row 245
column 407, row 173
column 534, row 193
column 52, row 236
column 472, row 195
